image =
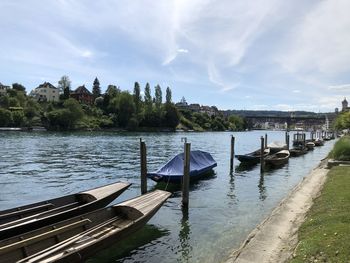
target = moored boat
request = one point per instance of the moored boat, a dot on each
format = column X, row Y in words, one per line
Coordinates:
column 28, row 217
column 318, row 142
column 77, row 238
column 298, row 151
column 310, row 146
column 278, row 158
column 253, row 157
column 276, row 147
column 200, row 164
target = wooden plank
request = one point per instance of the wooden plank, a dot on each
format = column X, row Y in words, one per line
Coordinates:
column 35, row 239
column 26, row 211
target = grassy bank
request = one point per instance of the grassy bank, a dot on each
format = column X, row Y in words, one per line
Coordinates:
column 325, row 234
column 341, row 149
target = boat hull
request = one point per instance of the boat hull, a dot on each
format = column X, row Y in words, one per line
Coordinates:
column 97, row 200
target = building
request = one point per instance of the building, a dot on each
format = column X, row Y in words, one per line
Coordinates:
column 3, row 89
column 83, row 95
column 345, row 105
column 45, row 92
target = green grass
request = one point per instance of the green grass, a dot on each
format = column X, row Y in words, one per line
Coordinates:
column 325, row 234
column 341, row 150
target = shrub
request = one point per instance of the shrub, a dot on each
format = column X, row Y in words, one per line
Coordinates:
column 341, row 149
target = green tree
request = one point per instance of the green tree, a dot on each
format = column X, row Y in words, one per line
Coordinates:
column 96, row 89
column 13, row 102
column 148, row 98
column 158, row 97
column 19, row 87
column 5, row 117
column 171, row 117
column 64, row 85
column 168, row 96
column 126, row 108
column 137, row 97
column 17, row 118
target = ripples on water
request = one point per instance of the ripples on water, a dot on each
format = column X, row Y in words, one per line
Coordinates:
column 224, row 207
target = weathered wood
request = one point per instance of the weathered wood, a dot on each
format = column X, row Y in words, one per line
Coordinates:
column 34, row 239
column 143, row 160
column 28, row 210
column 287, row 141
column 186, row 176
column 265, row 141
column 232, row 152
column 262, row 161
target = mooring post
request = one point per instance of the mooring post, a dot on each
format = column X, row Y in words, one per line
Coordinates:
column 262, row 162
column 232, row 156
column 143, row 160
column 304, row 139
column 286, row 136
column 186, row 176
column 265, row 145
column 288, row 142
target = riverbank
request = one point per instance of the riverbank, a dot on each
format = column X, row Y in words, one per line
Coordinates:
column 275, row 238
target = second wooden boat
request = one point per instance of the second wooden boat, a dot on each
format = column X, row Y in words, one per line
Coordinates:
column 278, row 158
column 25, row 218
column 253, row 157
column 298, row 151
column 75, row 239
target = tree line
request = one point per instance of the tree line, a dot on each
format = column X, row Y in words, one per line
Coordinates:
column 115, row 108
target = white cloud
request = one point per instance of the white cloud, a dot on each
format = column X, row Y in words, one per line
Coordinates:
column 342, row 87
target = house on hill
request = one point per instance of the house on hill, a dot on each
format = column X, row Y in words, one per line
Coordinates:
column 3, row 89
column 45, row 92
column 83, row 95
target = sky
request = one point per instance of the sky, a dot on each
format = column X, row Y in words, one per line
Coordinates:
column 253, row 55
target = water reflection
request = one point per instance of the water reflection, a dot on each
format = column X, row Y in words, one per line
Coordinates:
column 184, row 237
column 262, row 188
column 123, row 251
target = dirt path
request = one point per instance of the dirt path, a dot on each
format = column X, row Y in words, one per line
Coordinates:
column 276, row 237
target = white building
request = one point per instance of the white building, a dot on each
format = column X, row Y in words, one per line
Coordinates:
column 45, row 92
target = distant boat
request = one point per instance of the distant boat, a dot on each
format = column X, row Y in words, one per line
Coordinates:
column 310, row 146
column 276, row 147
column 77, row 238
column 278, row 158
column 318, row 142
column 200, row 163
column 298, row 151
column 28, row 217
column 253, row 157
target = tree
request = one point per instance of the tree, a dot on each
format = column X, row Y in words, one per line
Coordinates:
column 168, row 96
column 5, row 117
column 137, row 97
column 148, row 98
column 64, row 85
column 171, row 117
column 18, row 87
column 158, row 97
column 96, row 90
column 126, row 108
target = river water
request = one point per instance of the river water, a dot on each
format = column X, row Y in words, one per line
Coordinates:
column 223, row 208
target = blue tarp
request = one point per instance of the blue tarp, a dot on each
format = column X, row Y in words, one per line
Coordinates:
column 200, row 162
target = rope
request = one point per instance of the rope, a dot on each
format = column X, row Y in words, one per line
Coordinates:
column 166, row 187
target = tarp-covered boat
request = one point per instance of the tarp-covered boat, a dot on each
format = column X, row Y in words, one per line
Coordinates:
column 26, row 218
column 253, row 157
column 200, row 163
column 276, row 147
column 77, row 238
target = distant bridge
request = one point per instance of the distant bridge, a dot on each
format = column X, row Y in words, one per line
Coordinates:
column 315, row 122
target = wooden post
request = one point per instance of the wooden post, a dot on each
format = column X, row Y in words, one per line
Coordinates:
column 304, row 140
column 265, row 140
column 286, row 137
column 288, row 142
column 232, row 156
column 186, row 176
column 262, row 162
column 143, row 159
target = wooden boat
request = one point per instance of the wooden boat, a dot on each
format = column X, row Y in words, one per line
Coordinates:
column 25, row 218
column 298, row 151
column 310, row 146
column 253, row 157
column 200, row 164
column 318, row 142
column 276, row 147
column 278, row 158
column 77, row 238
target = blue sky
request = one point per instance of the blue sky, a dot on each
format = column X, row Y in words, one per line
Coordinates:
column 259, row 55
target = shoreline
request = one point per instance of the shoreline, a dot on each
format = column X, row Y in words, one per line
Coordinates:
column 275, row 238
